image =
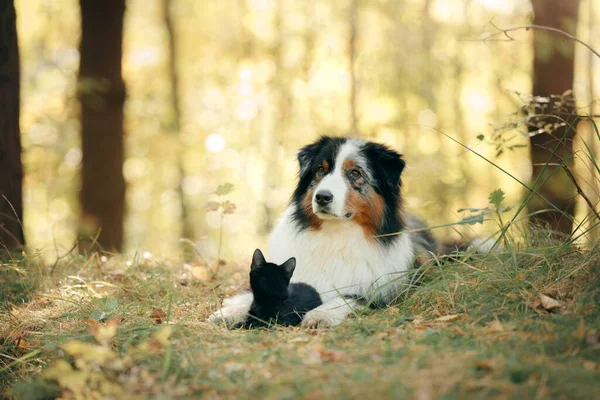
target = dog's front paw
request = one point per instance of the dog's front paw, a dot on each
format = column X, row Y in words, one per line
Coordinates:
column 234, row 310
column 217, row 317
column 319, row 318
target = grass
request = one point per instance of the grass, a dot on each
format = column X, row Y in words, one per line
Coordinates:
column 468, row 329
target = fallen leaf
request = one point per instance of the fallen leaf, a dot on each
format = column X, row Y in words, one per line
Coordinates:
column 549, row 303
column 520, row 277
column 201, row 273
column 541, row 302
column 103, row 333
column 581, row 332
column 94, row 324
column 593, row 338
column 496, row 326
column 299, row 339
column 486, row 364
column 320, row 355
column 157, row 315
column 449, row 318
column 24, row 345
column 590, row 365
column 331, row 355
column 424, row 393
column 312, row 357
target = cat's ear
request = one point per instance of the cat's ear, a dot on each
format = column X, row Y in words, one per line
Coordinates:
column 289, row 266
column 257, row 259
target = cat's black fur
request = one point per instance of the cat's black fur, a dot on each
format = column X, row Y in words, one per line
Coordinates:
column 276, row 300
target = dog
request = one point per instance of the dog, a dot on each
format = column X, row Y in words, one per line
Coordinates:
column 346, row 228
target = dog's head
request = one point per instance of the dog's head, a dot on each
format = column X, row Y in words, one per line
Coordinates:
column 349, row 179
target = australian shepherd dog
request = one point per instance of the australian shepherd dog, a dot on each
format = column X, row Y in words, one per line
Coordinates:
column 346, row 228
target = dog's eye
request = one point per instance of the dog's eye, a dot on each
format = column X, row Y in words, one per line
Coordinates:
column 320, row 171
column 355, row 174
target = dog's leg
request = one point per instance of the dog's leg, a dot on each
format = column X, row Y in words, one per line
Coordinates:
column 330, row 313
column 234, row 309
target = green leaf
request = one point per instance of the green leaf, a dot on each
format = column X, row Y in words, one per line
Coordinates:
column 224, row 189
column 472, row 219
column 497, row 197
column 110, row 303
column 480, row 137
column 97, row 315
column 485, row 209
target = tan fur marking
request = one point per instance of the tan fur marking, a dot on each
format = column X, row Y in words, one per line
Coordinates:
column 313, row 221
column 367, row 210
column 349, row 164
column 325, row 165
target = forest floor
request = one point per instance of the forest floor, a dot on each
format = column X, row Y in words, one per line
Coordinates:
column 523, row 324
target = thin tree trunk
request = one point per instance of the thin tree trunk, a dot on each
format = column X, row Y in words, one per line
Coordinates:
column 11, row 170
column 593, row 143
column 553, row 71
column 101, row 93
column 353, row 34
column 275, row 142
column 310, row 42
column 187, row 230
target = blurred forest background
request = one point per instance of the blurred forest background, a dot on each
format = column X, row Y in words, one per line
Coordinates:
column 227, row 91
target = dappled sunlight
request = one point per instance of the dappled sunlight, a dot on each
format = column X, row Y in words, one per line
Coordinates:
column 252, row 94
column 219, row 98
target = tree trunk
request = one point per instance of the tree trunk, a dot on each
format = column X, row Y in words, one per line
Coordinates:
column 101, row 93
column 553, row 67
column 352, row 37
column 187, row 229
column 11, row 170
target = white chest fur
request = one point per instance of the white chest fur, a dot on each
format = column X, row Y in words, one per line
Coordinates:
column 339, row 259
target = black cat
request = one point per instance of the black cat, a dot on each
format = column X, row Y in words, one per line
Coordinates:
column 276, row 300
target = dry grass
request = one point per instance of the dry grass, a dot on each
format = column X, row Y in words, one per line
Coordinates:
column 470, row 329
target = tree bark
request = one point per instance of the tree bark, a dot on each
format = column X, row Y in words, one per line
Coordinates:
column 187, row 228
column 101, row 94
column 553, row 72
column 11, row 170
column 352, row 38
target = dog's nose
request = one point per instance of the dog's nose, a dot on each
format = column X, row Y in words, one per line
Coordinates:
column 324, row 197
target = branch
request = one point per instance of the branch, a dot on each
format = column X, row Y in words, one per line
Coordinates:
column 506, row 31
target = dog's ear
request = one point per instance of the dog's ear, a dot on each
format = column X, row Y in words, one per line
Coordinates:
column 308, row 153
column 289, row 266
column 257, row 259
column 305, row 157
column 389, row 165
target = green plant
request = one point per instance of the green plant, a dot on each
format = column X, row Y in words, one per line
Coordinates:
column 223, row 207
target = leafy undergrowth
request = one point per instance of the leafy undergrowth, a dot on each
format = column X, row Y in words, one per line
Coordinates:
column 524, row 324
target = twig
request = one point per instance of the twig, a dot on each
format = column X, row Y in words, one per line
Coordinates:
column 505, row 32
column 572, row 178
column 58, row 258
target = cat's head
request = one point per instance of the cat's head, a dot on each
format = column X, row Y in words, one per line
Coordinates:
column 268, row 278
